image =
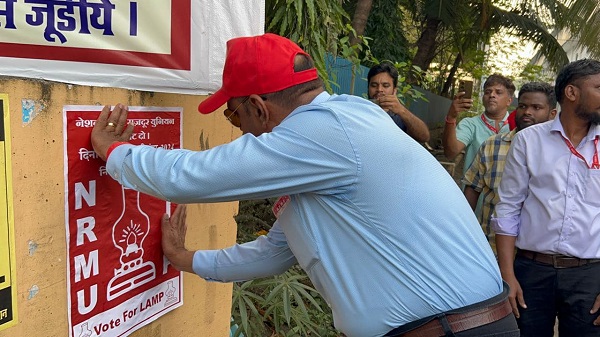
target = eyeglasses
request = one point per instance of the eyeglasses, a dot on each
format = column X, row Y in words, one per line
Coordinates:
column 232, row 116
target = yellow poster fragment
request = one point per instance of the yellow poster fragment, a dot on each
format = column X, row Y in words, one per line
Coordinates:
column 8, row 283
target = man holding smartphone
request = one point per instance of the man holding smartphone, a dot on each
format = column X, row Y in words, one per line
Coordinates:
column 471, row 132
column 383, row 91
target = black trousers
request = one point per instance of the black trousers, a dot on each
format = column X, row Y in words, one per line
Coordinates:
column 505, row 327
column 566, row 293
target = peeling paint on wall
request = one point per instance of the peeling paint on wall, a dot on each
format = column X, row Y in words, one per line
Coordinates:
column 32, row 247
column 33, row 291
column 30, row 109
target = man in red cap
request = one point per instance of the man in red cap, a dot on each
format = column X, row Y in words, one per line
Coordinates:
column 382, row 230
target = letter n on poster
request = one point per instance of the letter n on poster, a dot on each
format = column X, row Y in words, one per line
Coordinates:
column 117, row 277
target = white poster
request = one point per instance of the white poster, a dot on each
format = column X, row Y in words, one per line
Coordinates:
column 175, row 46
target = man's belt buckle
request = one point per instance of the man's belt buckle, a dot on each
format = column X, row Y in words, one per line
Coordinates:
column 560, row 262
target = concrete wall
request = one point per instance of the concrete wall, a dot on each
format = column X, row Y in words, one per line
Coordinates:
column 39, row 210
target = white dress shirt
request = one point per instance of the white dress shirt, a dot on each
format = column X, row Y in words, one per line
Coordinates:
column 549, row 197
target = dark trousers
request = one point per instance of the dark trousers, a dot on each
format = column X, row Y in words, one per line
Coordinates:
column 566, row 293
column 505, row 327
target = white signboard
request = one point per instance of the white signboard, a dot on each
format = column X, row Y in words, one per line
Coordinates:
column 175, row 46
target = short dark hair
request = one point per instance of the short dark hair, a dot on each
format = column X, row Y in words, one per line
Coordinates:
column 573, row 72
column 382, row 67
column 542, row 87
column 287, row 97
column 502, row 80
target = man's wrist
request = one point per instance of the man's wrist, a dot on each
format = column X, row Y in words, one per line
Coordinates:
column 181, row 258
column 112, row 147
column 450, row 120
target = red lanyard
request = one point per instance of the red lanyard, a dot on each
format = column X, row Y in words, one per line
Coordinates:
column 490, row 126
column 595, row 163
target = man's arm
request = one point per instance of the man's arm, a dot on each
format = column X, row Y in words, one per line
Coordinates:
column 415, row 127
column 473, row 178
column 268, row 255
column 513, row 190
column 472, row 196
column 241, row 169
column 452, row 146
column 505, row 246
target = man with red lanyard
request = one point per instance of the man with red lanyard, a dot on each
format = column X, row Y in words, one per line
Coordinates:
column 548, row 209
column 471, row 132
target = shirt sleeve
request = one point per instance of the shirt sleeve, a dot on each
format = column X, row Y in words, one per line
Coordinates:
column 476, row 171
column 513, row 189
column 268, row 255
column 283, row 162
column 398, row 120
column 465, row 131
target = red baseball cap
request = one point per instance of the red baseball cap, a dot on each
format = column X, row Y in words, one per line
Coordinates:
column 257, row 65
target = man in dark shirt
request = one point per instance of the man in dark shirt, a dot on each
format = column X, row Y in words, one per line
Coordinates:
column 383, row 90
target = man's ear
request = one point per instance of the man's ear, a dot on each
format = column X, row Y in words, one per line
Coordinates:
column 552, row 113
column 262, row 110
column 571, row 92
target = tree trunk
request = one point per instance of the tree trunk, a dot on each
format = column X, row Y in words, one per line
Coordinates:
column 450, row 79
column 359, row 21
column 427, row 44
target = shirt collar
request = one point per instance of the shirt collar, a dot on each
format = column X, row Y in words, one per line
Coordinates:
column 492, row 120
column 320, row 98
column 557, row 127
column 508, row 137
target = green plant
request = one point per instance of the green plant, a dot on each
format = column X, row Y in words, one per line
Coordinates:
column 283, row 305
column 407, row 92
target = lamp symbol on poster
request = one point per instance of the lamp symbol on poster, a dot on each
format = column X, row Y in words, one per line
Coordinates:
column 129, row 232
column 171, row 292
column 85, row 330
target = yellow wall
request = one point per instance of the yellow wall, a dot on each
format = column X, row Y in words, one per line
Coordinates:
column 39, row 210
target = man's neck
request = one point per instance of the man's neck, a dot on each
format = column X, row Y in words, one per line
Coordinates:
column 575, row 127
column 497, row 116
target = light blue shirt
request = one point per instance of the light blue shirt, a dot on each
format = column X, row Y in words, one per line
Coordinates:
column 382, row 230
column 549, row 198
column 472, row 132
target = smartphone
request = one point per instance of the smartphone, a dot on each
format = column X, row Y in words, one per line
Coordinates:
column 466, row 87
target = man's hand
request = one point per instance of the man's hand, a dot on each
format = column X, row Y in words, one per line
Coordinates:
column 515, row 295
column 391, row 103
column 110, row 127
column 415, row 127
column 173, row 240
column 595, row 308
column 458, row 105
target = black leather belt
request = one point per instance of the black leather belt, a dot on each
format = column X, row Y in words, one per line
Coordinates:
column 556, row 260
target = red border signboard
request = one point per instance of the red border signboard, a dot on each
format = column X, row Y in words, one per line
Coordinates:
column 100, row 31
column 118, row 279
column 173, row 46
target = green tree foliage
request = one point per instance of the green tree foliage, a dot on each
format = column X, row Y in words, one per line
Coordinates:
column 385, row 31
column 315, row 25
column 471, row 23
